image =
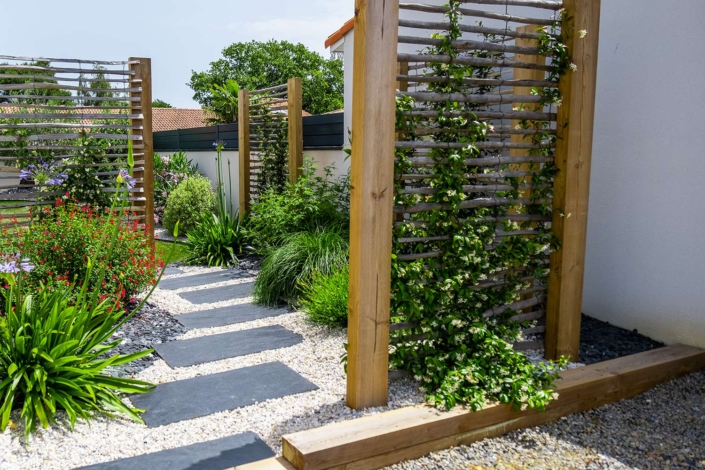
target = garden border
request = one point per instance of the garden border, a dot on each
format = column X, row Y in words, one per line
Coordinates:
column 412, row 432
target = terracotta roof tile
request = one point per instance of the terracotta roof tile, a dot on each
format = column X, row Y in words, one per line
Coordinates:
column 169, row 119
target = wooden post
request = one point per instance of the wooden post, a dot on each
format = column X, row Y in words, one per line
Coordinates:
column 572, row 184
column 403, row 69
column 372, row 198
column 243, row 138
column 296, row 131
column 143, row 78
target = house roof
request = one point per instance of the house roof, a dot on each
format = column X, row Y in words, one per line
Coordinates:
column 169, row 119
column 336, row 36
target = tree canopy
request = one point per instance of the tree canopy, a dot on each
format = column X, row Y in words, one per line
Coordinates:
column 254, row 65
column 161, row 104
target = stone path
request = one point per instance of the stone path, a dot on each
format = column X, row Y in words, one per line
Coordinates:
column 203, row 395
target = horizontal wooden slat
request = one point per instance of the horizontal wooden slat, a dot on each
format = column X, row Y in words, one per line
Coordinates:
column 443, row 26
column 478, row 82
column 79, row 108
column 528, row 115
column 476, row 13
column 71, row 116
column 62, row 125
column 53, row 86
column 117, row 99
column 476, row 61
column 75, row 61
column 469, row 204
column 267, row 90
column 96, row 135
column 37, row 68
column 545, row 4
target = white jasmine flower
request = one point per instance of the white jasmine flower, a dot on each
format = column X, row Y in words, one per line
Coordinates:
column 573, row 67
column 582, row 33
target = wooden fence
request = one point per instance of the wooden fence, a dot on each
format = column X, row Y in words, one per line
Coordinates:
column 270, row 122
column 68, row 113
column 502, row 99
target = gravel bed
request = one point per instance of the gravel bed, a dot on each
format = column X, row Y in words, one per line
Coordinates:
column 663, row 428
column 147, row 328
column 600, row 341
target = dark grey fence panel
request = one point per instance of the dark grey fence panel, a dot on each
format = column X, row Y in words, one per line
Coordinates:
column 321, row 132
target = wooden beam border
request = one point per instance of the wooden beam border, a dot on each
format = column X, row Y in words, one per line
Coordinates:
column 387, row 438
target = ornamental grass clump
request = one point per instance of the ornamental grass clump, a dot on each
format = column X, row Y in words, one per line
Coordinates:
column 295, row 263
column 325, row 298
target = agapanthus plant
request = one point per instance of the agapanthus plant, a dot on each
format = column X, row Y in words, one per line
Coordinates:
column 44, row 173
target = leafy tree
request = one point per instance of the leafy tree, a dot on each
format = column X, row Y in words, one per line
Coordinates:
column 161, row 104
column 257, row 65
column 224, row 103
column 100, row 88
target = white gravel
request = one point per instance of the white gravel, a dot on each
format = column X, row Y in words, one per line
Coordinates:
column 317, row 358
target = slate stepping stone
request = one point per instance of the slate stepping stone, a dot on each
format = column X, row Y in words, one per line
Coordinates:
column 172, row 402
column 169, row 271
column 197, row 280
column 219, row 454
column 218, row 294
column 188, row 352
column 223, row 316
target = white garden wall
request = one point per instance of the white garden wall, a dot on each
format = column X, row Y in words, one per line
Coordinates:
column 645, row 266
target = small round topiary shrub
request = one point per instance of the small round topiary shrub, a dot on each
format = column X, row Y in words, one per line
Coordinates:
column 190, row 199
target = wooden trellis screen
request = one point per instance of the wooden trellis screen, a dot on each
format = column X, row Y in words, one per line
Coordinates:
column 49, row 110
column 505, row 46
column 267, row 119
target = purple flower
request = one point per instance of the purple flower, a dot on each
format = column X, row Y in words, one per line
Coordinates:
column 26, row 265
column 124, row 177
column 9, row 267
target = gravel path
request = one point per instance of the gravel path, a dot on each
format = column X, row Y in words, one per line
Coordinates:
column 661, row 429
column 317, row 358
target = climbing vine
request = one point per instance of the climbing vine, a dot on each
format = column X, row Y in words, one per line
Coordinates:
column 460, row 345
column 273, row 139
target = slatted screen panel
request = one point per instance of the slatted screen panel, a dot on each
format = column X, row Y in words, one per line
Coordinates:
column 500, row 38
column 50, row 108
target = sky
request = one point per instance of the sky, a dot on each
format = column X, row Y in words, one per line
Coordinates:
column 178, row 35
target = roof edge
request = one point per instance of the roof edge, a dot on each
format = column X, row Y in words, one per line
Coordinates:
column 333, row 38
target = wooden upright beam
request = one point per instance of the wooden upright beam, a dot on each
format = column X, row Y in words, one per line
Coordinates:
column 372, row 198
column 296, row 131
column 243, row 137
column 143, row 72
column 525, row 74
column 572, row 184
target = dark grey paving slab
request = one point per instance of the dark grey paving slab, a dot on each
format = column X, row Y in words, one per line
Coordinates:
column 197, row 280
column 189, row 352
column 172, row 402
column 219, row 454
column 172, row 270
column 223, row 316
column 218, row 294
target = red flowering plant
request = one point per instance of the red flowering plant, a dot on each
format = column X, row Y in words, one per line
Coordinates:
column 62, row 238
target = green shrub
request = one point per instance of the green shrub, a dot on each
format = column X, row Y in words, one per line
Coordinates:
column 312, row 203
column 168, row 173
column 294, row 263
column 217, row 240
column 187, row 203
column 62, row 238
column 325, row 298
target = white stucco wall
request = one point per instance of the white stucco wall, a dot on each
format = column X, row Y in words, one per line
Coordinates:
column 645, row 266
